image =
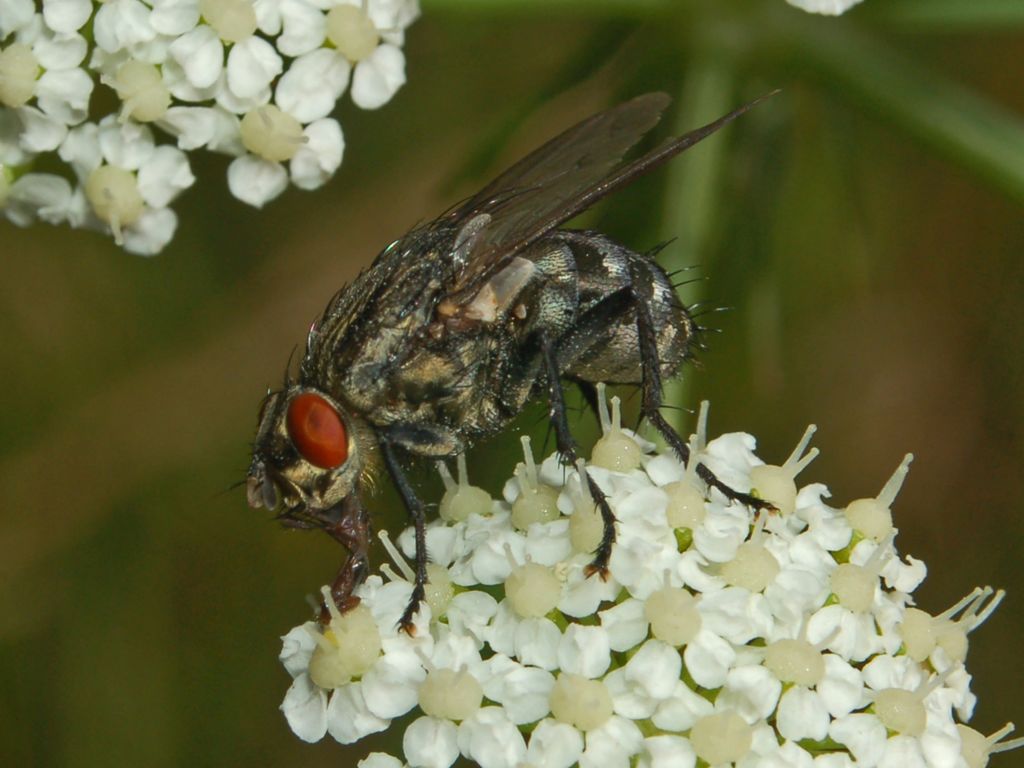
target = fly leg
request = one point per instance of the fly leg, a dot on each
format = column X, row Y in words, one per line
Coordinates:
column 419, row 521
column 651, row 407
column 567, row 448
column 352, row 531
column 348, row 523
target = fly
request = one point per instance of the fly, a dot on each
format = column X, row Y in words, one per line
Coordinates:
column 457, row 325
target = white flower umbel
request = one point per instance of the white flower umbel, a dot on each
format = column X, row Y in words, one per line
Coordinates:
column 254, row 79
column 722, row 636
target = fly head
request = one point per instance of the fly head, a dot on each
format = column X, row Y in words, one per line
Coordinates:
column 308, row 454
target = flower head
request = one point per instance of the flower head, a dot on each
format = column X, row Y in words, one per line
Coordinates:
column 721, row 635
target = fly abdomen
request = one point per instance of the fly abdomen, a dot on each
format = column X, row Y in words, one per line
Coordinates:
column 604, row 346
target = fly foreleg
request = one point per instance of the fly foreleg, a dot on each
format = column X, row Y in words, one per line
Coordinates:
column 651, row 407
column 419, row 521
column 352, row 530
column 567, row 448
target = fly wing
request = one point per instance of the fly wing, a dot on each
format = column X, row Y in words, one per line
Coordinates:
column 557, row 182
column 523, row 200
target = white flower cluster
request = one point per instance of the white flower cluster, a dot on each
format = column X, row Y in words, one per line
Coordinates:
column 255, row 79
column 761, row 641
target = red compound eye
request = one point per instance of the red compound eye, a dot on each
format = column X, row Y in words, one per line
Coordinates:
column 317, row 430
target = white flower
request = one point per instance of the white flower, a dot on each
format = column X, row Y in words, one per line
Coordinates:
column 273, row 136
column 128, row 180
column 333, row 693
column 673, row 663
column 42, row 66
column 369, row 34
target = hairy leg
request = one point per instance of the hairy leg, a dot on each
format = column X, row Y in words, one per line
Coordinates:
column 416, row 512
column 651, row 407
column 567, row 448
column 348, row 523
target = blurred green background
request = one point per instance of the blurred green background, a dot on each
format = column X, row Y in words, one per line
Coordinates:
column 864, row 227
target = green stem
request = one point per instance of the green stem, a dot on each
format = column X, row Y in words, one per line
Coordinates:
column 692, row 186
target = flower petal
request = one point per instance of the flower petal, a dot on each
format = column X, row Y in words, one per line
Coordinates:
column 81, row 149
column 668, row 752
column 126, row 145
column 164, row 176
column 38, row 195
column 200, row 54
column 297, row 649
column 61, row 51
column 491, row 739
column 40, row 132
column 252, row 64
column 174, row 17
column 802, row 715
column 863, row 734
column 15, row 15
column 121, row 25
column 378, row 77
column 66, row 16
column 430, row 742
column 303, row 28
column 585, row 651
column 256, row 181
column 390, row 688
column 316, row 161
column 312, row 85
column 305, row 709
column 554, row 745
column 151, row 232
column 64, row 94
column 348, row 719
